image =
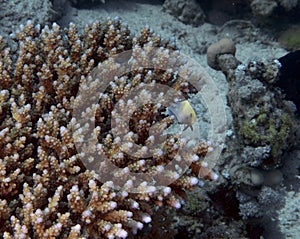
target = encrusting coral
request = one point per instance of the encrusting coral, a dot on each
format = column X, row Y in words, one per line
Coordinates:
column 45, row 189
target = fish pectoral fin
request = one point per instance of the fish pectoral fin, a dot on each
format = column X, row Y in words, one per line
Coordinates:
column 187, row 126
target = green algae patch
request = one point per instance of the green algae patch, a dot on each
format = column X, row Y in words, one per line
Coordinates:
column 265, row 131
column 290, row 39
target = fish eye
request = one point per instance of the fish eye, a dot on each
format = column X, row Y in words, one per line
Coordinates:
column 191, row 115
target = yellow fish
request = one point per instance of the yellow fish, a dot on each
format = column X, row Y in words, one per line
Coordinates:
column 184, row 113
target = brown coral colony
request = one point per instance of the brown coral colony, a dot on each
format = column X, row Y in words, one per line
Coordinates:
column 45, row 189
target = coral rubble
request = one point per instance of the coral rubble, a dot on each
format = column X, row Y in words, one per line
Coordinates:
column 24, row 10
column 266, row 138
column 188, row 12
column 263, row 118
column 45, row 189
column 218, row 12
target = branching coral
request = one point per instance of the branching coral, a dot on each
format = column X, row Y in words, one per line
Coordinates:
column 45, row 189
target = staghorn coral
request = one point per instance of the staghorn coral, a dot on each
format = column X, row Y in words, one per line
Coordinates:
column 45, row 189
